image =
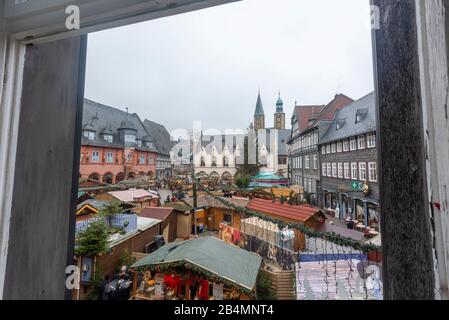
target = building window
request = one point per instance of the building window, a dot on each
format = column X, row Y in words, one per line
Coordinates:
column 110, row 157
column 362, row 171
column 142, row 159
column 139, row 143
column 372, row 171
column 315, row 162
column 345, row 145
column 150, row 159
column 323, row 169
column 347, row 171
column 108, row 138
column 328, row 148
column 361, row 142
column 353, row 144
column 315, row 139
column 129, row 157
column 310, row 185
column 334, row 147
column 300, row 162
column 307, row 162
column 339, row 146
column 354, row 172
column 95, row 156
column 89, row 135
column 340, row 170
column 329, row 170
column 334, row 170
column 323, row 150
column 130, row 138
column 371, row 140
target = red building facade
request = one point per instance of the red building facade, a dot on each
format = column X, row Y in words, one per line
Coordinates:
column 115, row 145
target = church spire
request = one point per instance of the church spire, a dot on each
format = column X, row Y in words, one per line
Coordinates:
column 259, row 115
column 259, row 107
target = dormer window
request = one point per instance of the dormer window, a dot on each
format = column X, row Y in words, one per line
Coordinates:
column 361, row 115
column 89, row 135
column 108, row 138
column 130, row 138
column 139, row 143
column 340, row 124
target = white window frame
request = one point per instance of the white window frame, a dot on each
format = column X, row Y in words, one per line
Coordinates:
column 345, row 145
column 89, row 135
column 361, row 142
column 340, row 170
column 315, row 162
column 339, row 146
column 329, row 170
column 130, row 138
column 328, row 148
column 347, row 170
column 109, row 138
column 324, row 169
column 95, row 157
column 307, row 162
column 354, row 170
column 372, row 171
column 371, row 140
column 333, row 147
column 323, row 149
column 362, row 171
column 110, row 157
column 300, row 162
column 353, row 144
column 334, row 170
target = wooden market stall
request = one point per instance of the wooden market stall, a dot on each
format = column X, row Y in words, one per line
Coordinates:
column 205, row 268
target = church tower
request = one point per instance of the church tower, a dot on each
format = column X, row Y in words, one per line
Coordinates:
column 259, row 116
column 279, row 116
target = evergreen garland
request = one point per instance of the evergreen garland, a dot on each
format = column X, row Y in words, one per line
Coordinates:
column 328, row 236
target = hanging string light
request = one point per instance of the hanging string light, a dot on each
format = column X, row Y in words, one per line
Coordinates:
column 331, row 237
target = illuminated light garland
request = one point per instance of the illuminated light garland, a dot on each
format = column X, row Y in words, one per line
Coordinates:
column 331, row 237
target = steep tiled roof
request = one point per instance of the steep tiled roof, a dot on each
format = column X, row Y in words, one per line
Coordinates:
column 305, row 113
column 346, row 117
column 295, row 213
column 160, row 137
column 328, row 112
column 104, row 119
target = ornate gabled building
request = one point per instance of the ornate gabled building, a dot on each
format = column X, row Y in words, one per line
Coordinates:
column 115, row 145
column 219, row 156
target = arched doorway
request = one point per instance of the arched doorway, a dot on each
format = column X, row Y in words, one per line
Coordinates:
column 120, row 177
column 131, row 176
column 94, row 176
column 141, row 175
column 214, row 175
column 108, row 178
column 226, row 176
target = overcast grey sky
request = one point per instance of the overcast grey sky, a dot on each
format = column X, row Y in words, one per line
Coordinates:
column 208, row 65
